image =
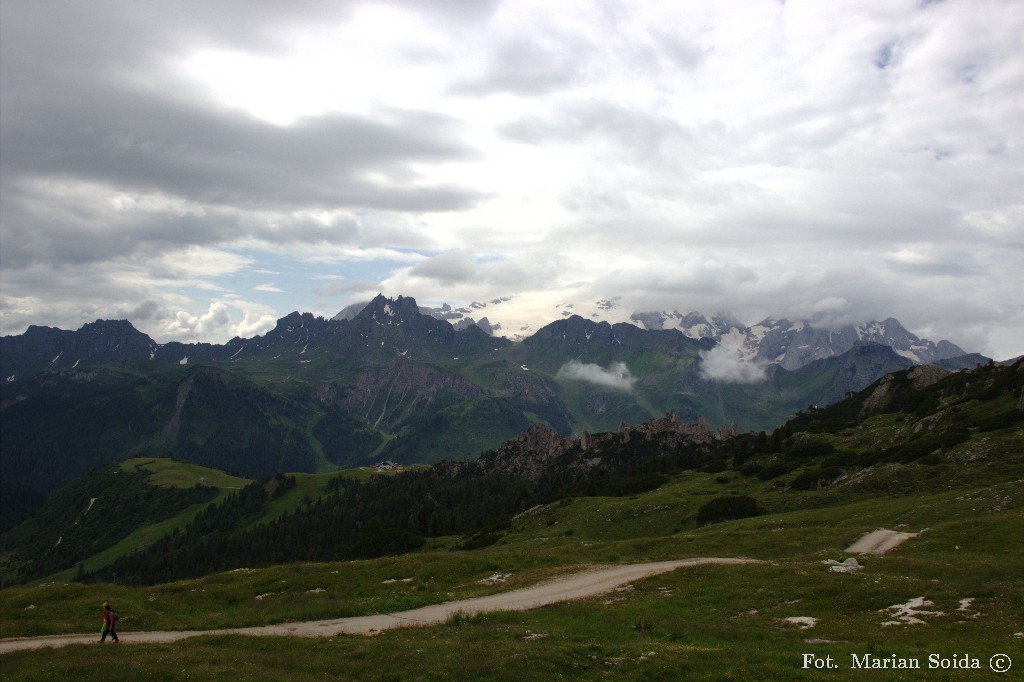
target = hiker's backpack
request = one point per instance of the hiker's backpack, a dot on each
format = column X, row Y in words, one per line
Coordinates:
column 112, row 617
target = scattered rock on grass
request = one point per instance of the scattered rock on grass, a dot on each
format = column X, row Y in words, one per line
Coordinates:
column 848, row 566
column 803, row 622
column 907, row 614
column 495, row 579
column 741, row 614
column 965, row 608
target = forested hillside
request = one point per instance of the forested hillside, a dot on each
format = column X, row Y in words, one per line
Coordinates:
column 88, row 516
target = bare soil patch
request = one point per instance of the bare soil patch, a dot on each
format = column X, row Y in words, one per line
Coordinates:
column 880, row 541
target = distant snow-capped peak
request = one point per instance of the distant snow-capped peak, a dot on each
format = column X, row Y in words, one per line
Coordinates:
column 788, row 343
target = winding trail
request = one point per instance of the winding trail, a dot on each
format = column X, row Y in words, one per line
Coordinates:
column 577, row 586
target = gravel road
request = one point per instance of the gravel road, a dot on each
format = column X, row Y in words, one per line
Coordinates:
column 577, row 586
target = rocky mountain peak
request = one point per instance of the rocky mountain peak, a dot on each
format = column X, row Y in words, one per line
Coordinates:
column 382, row 307
column 295, row 320
column 114, row 331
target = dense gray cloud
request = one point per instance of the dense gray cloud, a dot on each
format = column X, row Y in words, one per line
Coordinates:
column 77, row 126
column 145, row 144
column 204, row 167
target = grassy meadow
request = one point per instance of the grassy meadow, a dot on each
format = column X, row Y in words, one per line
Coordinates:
column 707, row 622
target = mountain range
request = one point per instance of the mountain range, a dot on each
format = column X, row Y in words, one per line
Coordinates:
column 788, row 343
column 793, row 344
column 391, row 382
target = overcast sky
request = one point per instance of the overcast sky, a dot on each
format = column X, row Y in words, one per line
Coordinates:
column 204, row 168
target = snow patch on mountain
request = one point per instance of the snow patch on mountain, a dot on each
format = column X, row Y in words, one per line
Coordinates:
column 793, row 344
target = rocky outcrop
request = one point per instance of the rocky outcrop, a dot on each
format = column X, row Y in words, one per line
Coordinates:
column 926, row 375
column 540, row 449
column 530, row 455
column 886, row 390
column 676, row 432
column 879, row 397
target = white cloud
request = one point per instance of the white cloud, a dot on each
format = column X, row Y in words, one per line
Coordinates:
column 255, row 320
column 726, row 365
column 850, row 160
column 186, row 325
column 219, row 321
column 616, row 376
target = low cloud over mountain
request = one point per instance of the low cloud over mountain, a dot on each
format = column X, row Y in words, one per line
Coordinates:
column 726, row 364
column 617, row 375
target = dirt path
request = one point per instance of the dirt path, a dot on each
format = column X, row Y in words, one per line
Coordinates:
column 577, row 586
column 880, row 541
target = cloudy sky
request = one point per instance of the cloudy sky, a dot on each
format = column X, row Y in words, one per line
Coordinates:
column 204, row 168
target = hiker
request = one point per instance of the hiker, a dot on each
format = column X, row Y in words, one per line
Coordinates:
column 109, row 623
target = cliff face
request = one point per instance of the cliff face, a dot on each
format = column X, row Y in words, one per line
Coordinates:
column 393, row 395
column 530, row 393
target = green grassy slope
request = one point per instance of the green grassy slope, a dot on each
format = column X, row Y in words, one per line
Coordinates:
column 703, row 622
column 177, row 474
